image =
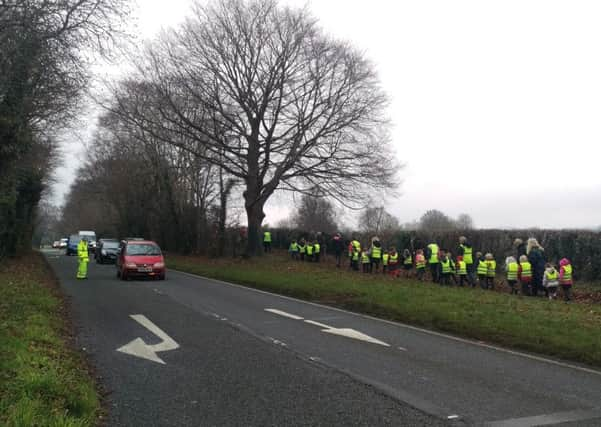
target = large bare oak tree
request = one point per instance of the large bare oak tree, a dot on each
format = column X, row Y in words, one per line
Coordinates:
column 276, row 103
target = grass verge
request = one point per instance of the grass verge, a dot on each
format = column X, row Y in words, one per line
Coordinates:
column 43, row 381
column 568, row 331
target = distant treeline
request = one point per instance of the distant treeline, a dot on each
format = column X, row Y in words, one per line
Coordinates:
column 583, row 248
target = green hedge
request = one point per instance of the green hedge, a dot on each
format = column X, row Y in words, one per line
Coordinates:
column 583, row 248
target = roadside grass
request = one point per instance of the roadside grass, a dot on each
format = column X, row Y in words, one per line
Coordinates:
column 568, row 331
column 43, row 382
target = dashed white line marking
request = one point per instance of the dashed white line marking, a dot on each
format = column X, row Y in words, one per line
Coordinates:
column 402, row 349
column 452, row 417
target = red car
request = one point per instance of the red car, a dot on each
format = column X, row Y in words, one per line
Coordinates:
column 140, row 258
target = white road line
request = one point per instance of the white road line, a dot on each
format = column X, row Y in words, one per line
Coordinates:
column 344, row 332
column 404, row 325
column 321, row 325
column 351, row 333
column 402, row 349
column 547, row 419
column 283, row 313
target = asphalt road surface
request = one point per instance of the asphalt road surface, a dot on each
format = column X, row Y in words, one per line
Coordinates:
column 191, row 351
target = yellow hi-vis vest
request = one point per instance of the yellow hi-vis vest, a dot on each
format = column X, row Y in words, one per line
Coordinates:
column 467, row 254
column 567, row 275
column 408, row 260
column 482, row 268
column 512, row 271
column 309, row 250
column 434, row 253
column 446, row 266
column 385, row 258
column 462, row 268
column 365, row 258
column 376, row 252
column 267, row 237
column 317, row 248
column 293, row 247
column 82, row 250
column 394, row 259
column 420, row 262
column 356, row 245
column 492, row 268
column 355, row 256
column 526, row 269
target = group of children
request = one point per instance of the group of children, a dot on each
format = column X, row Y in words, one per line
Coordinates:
column 305, row 250
column 447, row 270
column 521, row 272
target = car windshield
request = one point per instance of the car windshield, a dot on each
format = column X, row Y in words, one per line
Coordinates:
column 143, row 250
column 110, row 245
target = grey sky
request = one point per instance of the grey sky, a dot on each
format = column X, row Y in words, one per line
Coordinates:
column 496, row 105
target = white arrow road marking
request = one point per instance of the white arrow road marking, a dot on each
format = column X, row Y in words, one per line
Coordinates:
column 351, row 333
column 139, row 348
column 344, row 332
column 283, row 313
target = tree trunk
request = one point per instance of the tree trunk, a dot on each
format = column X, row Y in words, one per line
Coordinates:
column 255, row 215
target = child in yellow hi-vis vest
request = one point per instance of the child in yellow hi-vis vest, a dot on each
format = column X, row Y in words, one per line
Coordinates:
column 393, row 262
column 491, row 271
column 365, row 261
column 385, row 258
column 420, row 264
column 407, row 263
column 462, row 271
column 512, row 268
column 565, row 278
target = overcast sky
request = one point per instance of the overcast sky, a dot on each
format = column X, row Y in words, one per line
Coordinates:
column 496, row 105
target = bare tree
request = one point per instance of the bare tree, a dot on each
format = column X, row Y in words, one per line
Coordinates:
column 315, row 214
column 377, row 221
column 464, row 222
column 288, row 107
column 435, row 220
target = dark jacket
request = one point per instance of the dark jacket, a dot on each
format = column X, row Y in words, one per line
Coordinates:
column 521, row 250
column 537, row 260
column 338, row 244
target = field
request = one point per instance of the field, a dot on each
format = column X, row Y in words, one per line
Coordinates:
column 43, row 381
column 569, row 331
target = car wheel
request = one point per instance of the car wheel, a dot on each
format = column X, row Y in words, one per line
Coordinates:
column 124, row 276
column 118, row 273
column 162, row 277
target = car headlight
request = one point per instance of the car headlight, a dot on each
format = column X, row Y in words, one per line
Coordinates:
column 130, row 264
column 103, row 252
column 159, row 264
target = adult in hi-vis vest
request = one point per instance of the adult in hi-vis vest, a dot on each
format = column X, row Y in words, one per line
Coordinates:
column 467, row 252
column 267, row 241
column 82, row 259
column 432, row 259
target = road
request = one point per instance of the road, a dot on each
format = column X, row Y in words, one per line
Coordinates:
column 194, row 351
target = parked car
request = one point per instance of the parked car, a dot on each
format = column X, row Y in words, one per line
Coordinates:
column 63, row 243
column 140, row 258
column 107, row 251
column 72, row 244
column 55, row 244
